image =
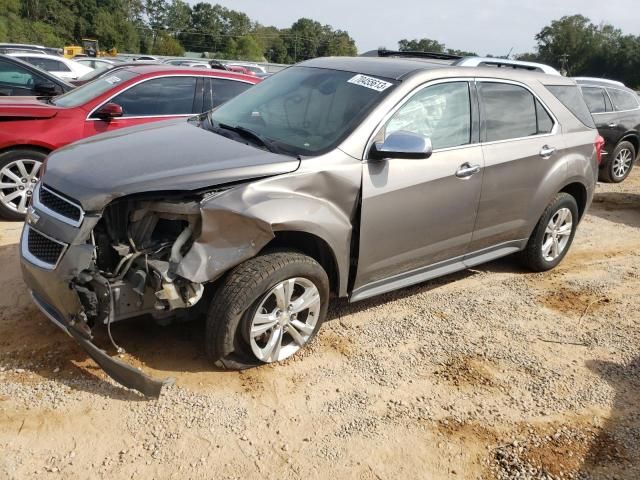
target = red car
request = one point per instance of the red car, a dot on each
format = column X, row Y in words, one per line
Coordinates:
column 32, row 127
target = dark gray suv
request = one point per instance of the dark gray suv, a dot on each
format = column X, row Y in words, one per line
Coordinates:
column 339, row 176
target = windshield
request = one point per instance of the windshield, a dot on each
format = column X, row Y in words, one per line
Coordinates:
column 304, row 110
column 89, row 91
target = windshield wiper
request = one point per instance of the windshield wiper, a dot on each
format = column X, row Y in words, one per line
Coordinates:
column 246, row 132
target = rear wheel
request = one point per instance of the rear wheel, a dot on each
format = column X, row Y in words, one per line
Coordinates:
column 266, row 310
column 618, row 167
column 553, row 235
column 19, row 172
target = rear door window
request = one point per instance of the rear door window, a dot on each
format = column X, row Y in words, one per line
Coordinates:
column 623, row 100
column 511, row 111
column 440, row 112
column 223, row 90
column 595, row 99
column 159, row 96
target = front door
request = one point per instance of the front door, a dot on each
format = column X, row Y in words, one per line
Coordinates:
column 419, row 214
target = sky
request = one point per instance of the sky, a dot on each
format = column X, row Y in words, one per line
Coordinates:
column 482, row 26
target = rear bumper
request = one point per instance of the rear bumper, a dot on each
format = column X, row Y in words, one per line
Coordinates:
column 52, row 292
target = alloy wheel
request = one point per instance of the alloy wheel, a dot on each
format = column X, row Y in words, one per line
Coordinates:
column 17, row 182
column 285, row 320
column 557, row 234
column 622, row 163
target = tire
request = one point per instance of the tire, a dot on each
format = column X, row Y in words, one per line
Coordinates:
column 230, row 340
column 14, row 164
column 535, row 256
column 619, row 165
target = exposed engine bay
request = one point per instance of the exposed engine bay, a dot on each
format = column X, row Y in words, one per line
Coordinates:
column 138, row 246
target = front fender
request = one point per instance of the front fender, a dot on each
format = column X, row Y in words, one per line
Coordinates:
column 319, row 199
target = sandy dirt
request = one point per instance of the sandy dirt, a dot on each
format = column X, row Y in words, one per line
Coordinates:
column 491, row 373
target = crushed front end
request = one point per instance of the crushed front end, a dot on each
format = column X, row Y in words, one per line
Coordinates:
column 85, row 270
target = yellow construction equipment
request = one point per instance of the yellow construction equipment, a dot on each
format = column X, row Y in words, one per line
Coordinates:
column 89, row 48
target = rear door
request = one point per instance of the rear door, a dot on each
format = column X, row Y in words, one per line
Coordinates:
column 150, row 100
column 418, row 215
column 603, row 113
column 521, row 145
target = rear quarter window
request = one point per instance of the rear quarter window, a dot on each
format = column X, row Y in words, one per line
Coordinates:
column 570, row 97
column 623, row 100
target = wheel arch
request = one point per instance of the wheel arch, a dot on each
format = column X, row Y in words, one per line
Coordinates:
column 634, row 139
column 27, row 146
column 313, row 246
column 578, row 191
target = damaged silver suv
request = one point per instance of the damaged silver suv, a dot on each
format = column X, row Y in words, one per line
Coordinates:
column 348, row 177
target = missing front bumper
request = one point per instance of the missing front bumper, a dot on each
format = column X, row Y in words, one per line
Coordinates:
column 120, row 371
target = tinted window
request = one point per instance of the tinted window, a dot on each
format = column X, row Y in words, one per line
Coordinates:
column 159, row 96
column 89, row 91
column 545, row 122
column 594, row 97
column 508, row 111
column 223, row 90
column 571, row 98
column 440, row 112
column 15, row 75
column 623, row 100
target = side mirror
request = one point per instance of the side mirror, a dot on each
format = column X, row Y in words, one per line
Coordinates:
column 402, row 145
column 109, row 111
column 46, row 88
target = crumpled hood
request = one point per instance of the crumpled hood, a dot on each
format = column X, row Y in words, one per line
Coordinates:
column 26, row 107
column 173, row 155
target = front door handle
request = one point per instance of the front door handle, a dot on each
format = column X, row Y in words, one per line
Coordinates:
column 547, row 151
column 612, row 125
column 466, row 170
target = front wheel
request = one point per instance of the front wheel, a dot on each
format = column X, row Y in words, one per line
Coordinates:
column 553, row 235
column 266, row 310
column 19, row 172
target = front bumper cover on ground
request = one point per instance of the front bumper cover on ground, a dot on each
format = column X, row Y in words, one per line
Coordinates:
column 120, row 371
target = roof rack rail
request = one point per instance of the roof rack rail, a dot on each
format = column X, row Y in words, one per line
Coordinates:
column 383, row 52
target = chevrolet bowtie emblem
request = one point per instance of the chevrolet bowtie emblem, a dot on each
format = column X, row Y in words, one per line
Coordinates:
column 32, row 216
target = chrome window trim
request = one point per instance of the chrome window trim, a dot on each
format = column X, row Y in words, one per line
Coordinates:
column 43, row 208
column 24, row 248
column 385, row 119
column 89, row 119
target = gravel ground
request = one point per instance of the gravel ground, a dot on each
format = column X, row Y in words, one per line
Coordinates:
column 492, row 373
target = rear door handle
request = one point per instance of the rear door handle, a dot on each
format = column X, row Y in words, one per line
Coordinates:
column 465, row 170
column 612, row 125
column 547, row 151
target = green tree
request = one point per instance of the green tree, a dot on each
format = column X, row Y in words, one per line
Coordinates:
column 167, row 45
column 421, row 45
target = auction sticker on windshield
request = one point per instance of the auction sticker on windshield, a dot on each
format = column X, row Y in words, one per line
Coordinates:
column 113, row 79
column 370, row 82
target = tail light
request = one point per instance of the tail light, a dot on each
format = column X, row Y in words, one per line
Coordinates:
column 599, row 145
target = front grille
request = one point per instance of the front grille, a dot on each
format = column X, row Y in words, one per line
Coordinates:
column 43, row 248
column 60, row 205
